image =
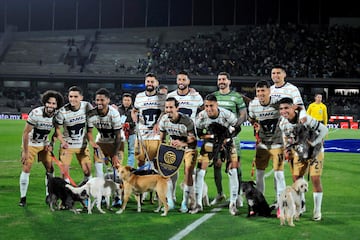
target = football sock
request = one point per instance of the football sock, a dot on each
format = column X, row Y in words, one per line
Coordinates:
column 280, row 182
column 317, row 201
column 24, row 183
column 199, row 186
column 169, row 191
column 186, row 193
column 99, row 169
column 260, row 180
column 234, row 184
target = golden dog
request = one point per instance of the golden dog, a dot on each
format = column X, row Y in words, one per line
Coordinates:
column 290, row 202
column 139, row 184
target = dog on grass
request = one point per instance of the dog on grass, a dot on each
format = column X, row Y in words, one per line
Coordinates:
column 257, row 204
column 139, row 184
column 97, row 188
column 290, row 202
column 192, row 199
column 58, row 191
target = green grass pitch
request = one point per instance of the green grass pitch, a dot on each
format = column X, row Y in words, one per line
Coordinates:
column 340, row 209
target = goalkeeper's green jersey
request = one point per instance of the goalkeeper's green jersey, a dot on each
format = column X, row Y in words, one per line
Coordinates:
column 232, row 101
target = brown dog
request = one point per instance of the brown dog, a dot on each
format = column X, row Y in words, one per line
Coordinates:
column 139, row 184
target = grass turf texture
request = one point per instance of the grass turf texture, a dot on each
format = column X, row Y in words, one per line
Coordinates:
column 340, row 210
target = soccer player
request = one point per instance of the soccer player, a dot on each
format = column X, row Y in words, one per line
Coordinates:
column 318, row 110
column 72, row 119
column 35, row 141
column 265, row 117
column 227, row 120
column 281, row 88
column 148, row 107
column 190, row 102
column 106, row 119
column 181, row 130
column 232, row 101
column 291, row 117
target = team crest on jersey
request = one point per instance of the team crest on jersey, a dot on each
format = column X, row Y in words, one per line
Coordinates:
column 169, row 160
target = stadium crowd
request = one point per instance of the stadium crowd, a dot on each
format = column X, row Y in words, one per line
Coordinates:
column 312, row 52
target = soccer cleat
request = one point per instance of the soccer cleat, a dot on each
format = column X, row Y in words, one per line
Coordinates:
column 197, row 209
column 232, row 209
column 239, row 201
column 183, row 208
column 22, row 202
column 219, row 198
column 317, row 216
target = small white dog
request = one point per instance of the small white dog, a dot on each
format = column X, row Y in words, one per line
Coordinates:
column 192, row 199
column 290, row 202
column 96, row 188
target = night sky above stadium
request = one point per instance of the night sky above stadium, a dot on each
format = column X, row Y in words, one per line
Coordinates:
column 83, row 14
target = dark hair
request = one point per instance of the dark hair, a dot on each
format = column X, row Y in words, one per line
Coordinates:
column 76, row 89
column 211, row 97
column 49, row 94
column 103, row 91
column 262, row 83
column 163, row 86
column 225, row 73
column 280, row 67
column 150, row 74
column 286, row 101
column 172, row 99
column 183, row 72
column 126, row 95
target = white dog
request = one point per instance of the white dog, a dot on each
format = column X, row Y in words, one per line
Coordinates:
column 192, row 199
column 290, row 202
column 96, row 188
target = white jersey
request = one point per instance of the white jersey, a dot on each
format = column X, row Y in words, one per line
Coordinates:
column 42, row 126
column 268, row 117
column 74, row 124
column 106, row 125
column 287, row 90
column 189, row 103
column 311, row 123
column 178, row 130
column 150, row 108
column 225, row 118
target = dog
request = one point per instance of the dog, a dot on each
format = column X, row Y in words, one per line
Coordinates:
column 257, row 204
column 290, row 202
column 139, row 184
column 192, row 199
column 97, row 188
column 57, row 190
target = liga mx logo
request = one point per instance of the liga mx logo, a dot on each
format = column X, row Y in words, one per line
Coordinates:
column 169, row 160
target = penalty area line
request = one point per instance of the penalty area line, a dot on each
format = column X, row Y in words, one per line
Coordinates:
column 194, row 225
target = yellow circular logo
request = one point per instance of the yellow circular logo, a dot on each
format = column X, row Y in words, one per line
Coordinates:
column 169, row 157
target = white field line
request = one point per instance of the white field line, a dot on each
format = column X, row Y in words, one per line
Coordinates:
column 194, row 225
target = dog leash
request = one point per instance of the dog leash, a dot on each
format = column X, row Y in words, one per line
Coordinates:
column 60, row 165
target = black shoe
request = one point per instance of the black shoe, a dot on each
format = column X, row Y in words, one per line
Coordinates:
column 22, row 202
